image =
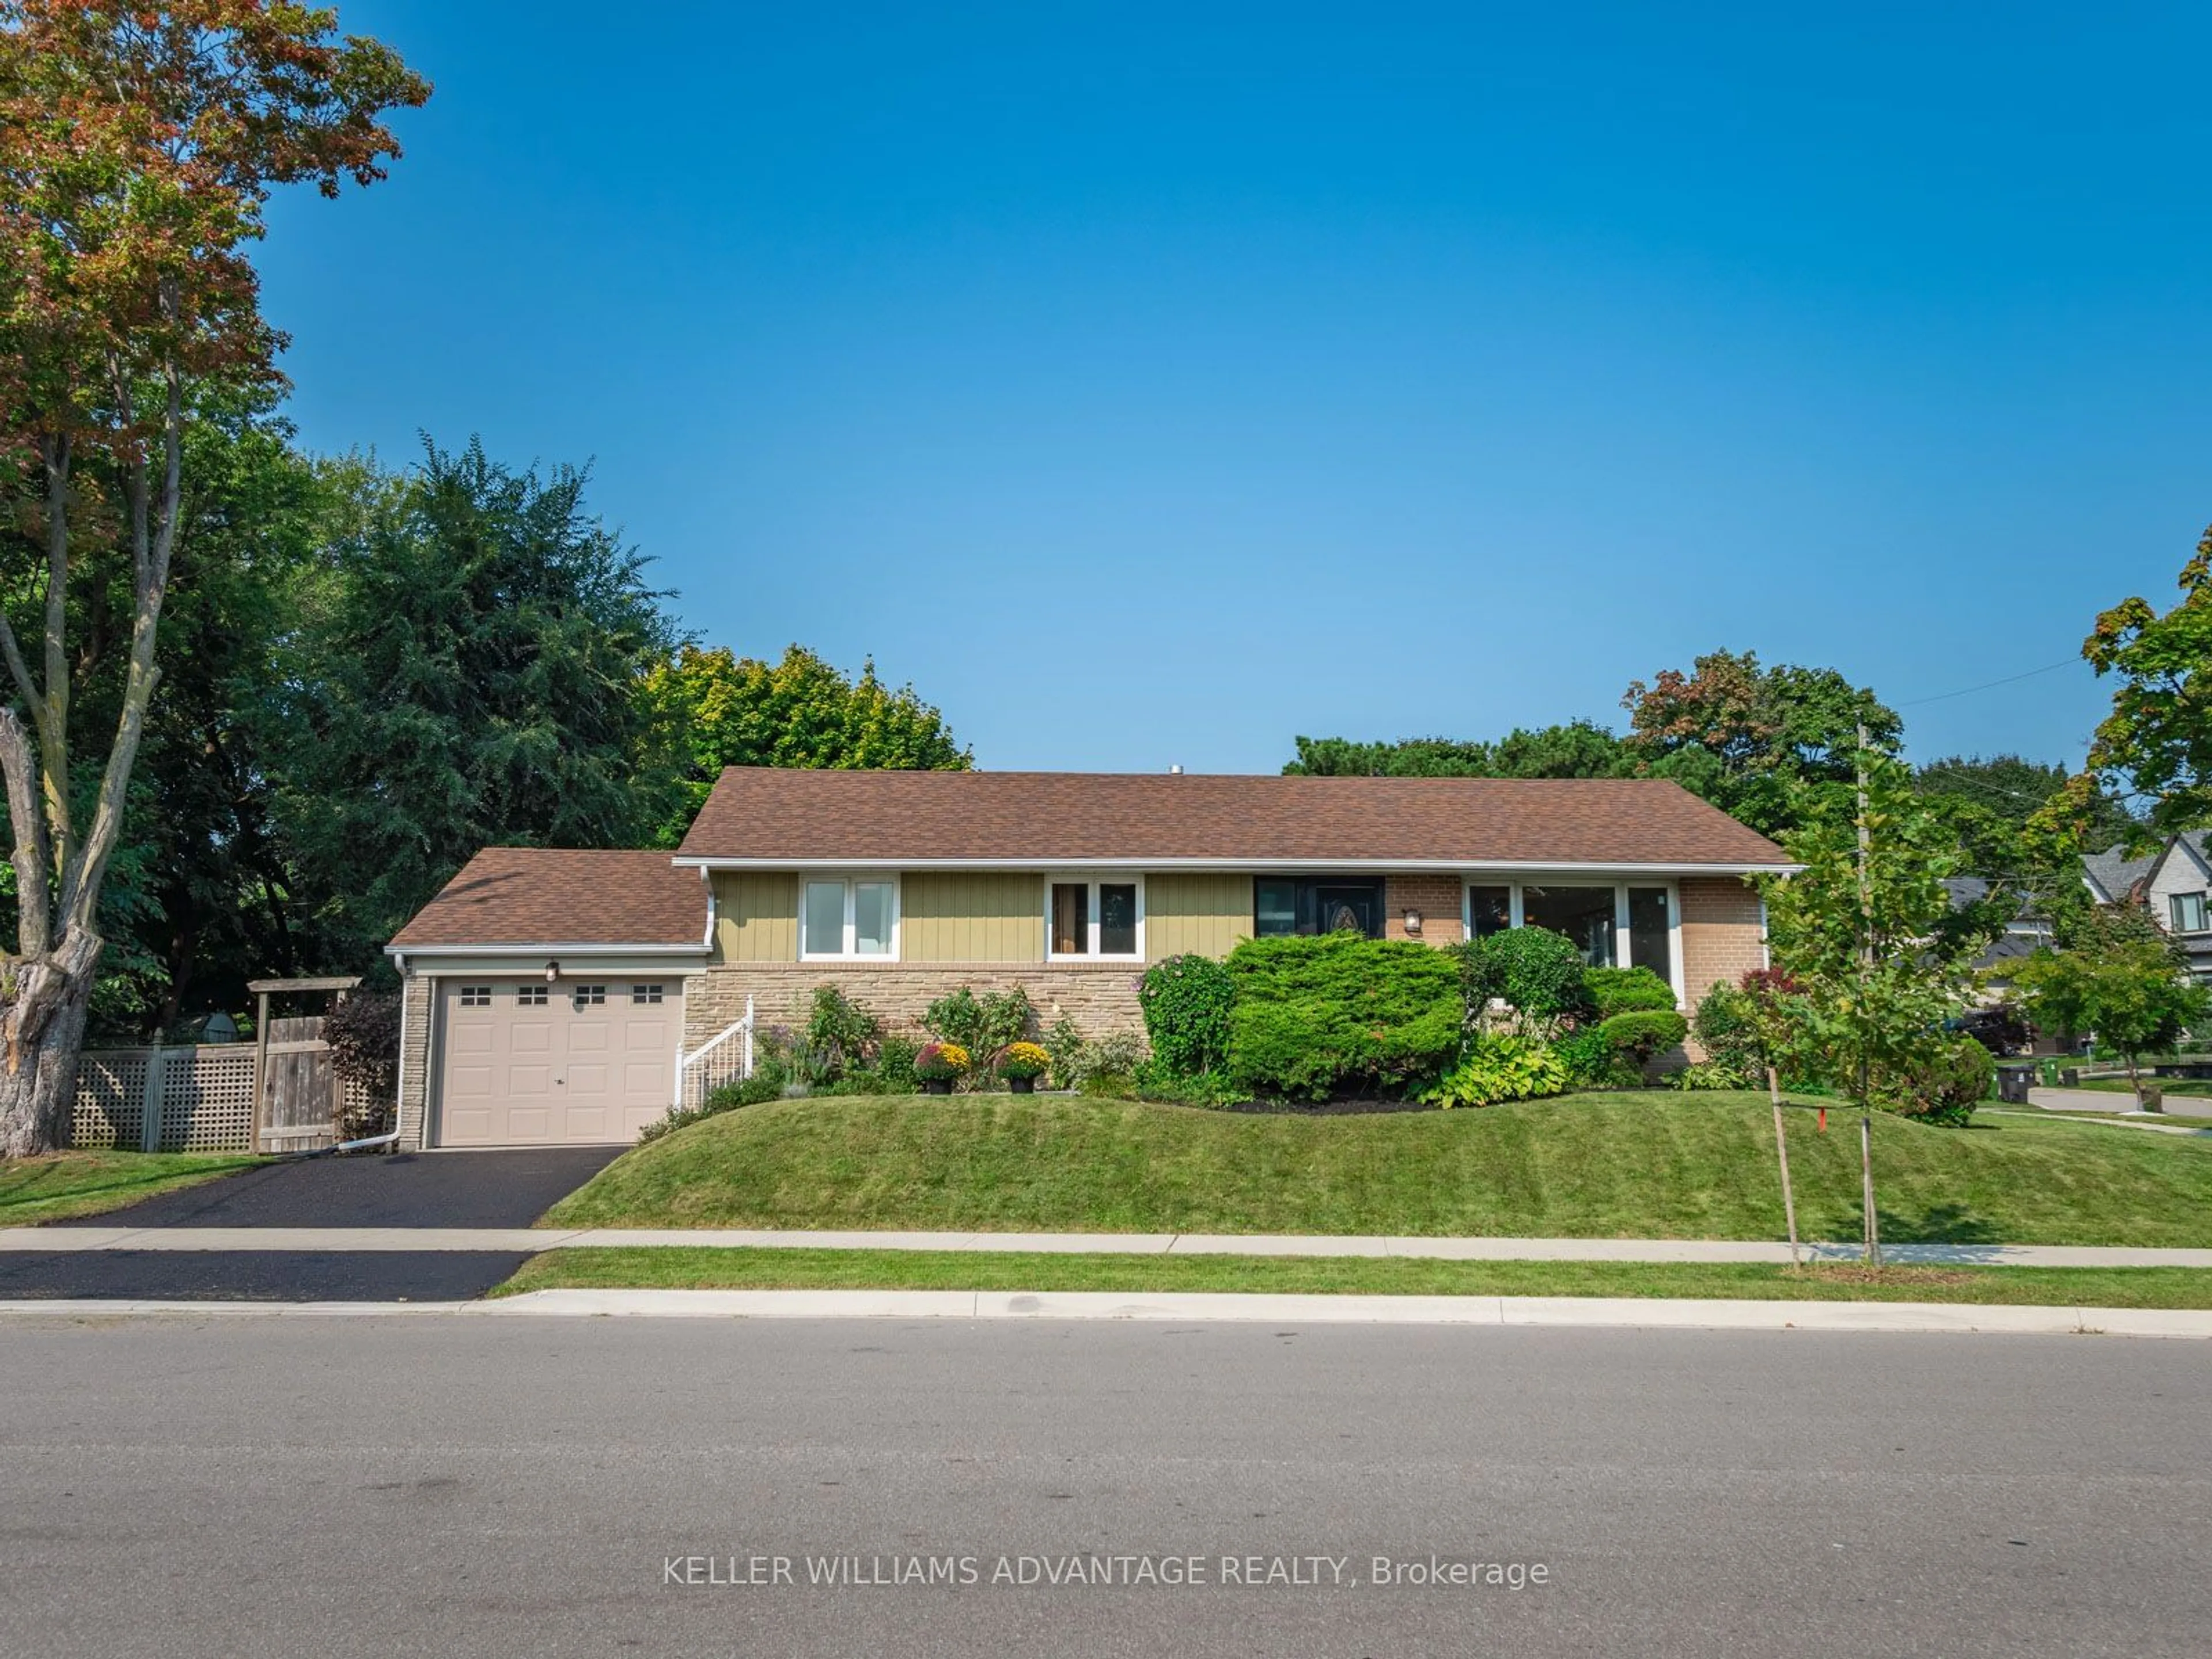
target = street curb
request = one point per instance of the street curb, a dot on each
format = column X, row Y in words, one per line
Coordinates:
column 1225, row 1307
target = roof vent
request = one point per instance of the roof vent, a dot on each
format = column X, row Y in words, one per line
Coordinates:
column 1175, row 771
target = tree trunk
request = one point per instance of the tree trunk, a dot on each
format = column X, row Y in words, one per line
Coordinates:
column 47, row 999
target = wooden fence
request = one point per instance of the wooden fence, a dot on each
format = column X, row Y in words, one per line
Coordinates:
column 200, row 1099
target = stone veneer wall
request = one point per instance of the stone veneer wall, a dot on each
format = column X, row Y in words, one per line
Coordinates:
column 1100, row 997
column 414, row 1058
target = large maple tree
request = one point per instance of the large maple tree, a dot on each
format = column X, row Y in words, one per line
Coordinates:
column 139, row 144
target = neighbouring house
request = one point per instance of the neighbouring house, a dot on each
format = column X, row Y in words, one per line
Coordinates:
column 552, row 996
column 2173, row 881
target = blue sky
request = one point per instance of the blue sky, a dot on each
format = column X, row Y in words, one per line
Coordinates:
column 1149, row 385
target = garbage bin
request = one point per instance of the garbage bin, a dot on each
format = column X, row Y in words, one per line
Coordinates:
column 2012, row 1083
column 2153, row 1098
column 2069, row 1078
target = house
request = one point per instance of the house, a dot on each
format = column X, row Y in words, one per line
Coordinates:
column 550, row 994
column 2174, row 881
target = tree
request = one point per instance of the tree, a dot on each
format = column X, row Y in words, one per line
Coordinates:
column 1577, row 749
column 1992, row 803
column 1770, row 745
column 2122, row 978
column 2157, row 742
column 1878, row 957
column 138, row 147
column 727, row 710
column 469, row 672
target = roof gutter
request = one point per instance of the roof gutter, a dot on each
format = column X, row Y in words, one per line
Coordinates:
column 1502, row 867
column 544, row 947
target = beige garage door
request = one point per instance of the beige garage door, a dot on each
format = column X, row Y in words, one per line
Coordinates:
column 529, row 1064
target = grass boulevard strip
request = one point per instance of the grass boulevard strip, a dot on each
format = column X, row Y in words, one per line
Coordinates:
column 676, row 1268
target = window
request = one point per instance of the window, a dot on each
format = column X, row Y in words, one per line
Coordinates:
column 1095, row 919
column 647, row 994
column 1584, row 915
column 856, row 918
column 1612, row 924
column 1284, row 905
column 1489, row 910
column 530, row 996
column 589, row 996
column 476, row 996
column 2188, row 910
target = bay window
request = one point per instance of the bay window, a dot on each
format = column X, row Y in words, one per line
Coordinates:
column 847, row 918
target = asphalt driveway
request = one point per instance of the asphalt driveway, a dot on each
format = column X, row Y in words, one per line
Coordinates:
column 424, row 1189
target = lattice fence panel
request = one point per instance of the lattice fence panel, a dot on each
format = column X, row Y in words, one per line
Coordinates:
column 207, row 1099
column 110, row 1098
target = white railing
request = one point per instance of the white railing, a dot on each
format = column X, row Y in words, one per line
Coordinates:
column 723, row 1058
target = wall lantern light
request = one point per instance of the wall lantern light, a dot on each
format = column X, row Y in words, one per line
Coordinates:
column 1413, row 924
column 552, row 972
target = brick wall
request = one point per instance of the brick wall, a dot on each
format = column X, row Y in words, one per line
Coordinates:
column 1100, row 999
column 1722, row 935
column 1436, row 896
column 414, row 1060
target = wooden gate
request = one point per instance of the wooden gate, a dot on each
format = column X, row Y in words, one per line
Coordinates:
column 299, row 1086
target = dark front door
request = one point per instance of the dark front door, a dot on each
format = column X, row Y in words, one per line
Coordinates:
column 1359, row 908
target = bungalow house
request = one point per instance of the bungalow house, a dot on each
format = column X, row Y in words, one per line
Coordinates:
column 550, row 994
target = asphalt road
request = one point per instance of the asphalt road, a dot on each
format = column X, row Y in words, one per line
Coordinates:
column 478, row 1486
column 508, row 1188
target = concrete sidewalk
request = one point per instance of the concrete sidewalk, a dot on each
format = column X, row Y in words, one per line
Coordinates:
column 329, row 1240
column 1221, row 1307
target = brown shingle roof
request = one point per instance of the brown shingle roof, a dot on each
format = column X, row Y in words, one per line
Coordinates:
column 557, row 896
column 1013, row 816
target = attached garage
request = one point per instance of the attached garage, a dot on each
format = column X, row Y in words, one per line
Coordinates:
column 528, row 1064
column 544, row 998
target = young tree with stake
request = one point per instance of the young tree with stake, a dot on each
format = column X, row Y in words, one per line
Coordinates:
column 138, row 145
column 1878, row 956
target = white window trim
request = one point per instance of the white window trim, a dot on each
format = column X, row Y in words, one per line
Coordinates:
column 849, row 935
column 1091, row 880
column 1622, row 946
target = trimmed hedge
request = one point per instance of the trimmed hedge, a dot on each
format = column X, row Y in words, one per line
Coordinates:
column 1338, row 1013
column 1626, row 991
column 1644, row 1034
column 1534, row 970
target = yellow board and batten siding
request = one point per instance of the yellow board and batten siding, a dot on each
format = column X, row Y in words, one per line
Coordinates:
column 756, row 917
column 1207, row 914
column 980, row 917
column 967, row 916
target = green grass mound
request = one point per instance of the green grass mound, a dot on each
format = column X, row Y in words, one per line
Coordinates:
column 1636, row 1165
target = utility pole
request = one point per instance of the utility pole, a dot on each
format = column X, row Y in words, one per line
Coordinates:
column 1866, row 978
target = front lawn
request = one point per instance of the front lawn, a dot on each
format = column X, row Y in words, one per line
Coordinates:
column 710, row 1269
column 66, row 1185
column 1652, row 1165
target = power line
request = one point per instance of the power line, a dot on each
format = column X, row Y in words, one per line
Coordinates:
column 1991, row 685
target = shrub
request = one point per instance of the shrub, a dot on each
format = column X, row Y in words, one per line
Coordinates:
column 1154, row 1082
column 1533, row 969
column 982, row 1025
column 1706, row 1074
column 893, row 1072
column 1498, row 1067
column 1024, row 1059
column 1186, row 1001
column 1335, row 1012
column 840, row 1035
column 1627, row 990
column 1951, row 1079
column 363, row 1034
column 939, row 1061
column 753, row 1090
column 1641, row 1036
column 1588, row 1056
column 1109, row 1066
column 1064, row 1042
